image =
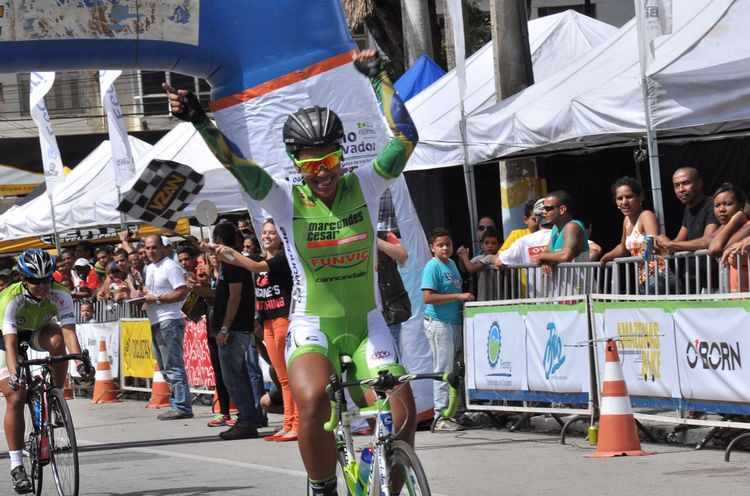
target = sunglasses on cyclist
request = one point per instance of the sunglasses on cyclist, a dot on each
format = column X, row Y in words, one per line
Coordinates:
column 35, row 281
column 313, row 165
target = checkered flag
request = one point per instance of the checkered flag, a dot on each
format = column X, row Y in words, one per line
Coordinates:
column 164, row 189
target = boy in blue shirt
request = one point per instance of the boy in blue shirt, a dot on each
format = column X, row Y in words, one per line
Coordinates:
column 441, row 292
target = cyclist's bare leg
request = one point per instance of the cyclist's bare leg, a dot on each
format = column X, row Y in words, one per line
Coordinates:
column 51, row 339
column 13, row 422
column 309, row 374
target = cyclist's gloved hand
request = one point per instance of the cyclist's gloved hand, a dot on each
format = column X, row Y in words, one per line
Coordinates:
column 13, row 383
column 192, row 110
column 369, row 68
column 85, row 369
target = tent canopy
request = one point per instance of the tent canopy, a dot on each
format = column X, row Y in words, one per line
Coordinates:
column 17, row 182
column 419, row 76
column 555, row 41
column 89, row 196
column 699, row 84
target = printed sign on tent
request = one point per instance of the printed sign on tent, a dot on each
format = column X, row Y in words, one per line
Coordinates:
column 645, row 341
column 164, row 189
column 556, row 362
column 498, row 351
column 710, row 356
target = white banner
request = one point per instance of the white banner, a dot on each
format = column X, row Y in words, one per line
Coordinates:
column 457, row 20
column 89, row 336
column 497, row 353
column 557, row 356
column 645, row 342
column 122, row 156
column 711, row 346
column 654, row 18
column 41, row 82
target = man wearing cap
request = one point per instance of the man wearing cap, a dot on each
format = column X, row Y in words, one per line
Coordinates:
column 85, row 280
column 526, row 249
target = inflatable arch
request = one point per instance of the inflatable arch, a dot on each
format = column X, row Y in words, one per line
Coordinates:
column 263, row 60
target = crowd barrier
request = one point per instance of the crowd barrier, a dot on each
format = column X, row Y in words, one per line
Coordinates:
column 538, row 345
column 111, row 311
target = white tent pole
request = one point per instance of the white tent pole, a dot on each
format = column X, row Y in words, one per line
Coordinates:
column 54, row 221
column 653, row 149
column 469, row 181
column 122, row 214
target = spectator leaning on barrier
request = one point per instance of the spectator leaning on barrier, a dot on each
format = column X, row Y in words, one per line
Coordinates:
column 568, row 241
column 526, row 250
column 103, row 258
column 166, row 291
column 441, row 292
column 729, row 205
column 532, row 225
column 64, row 267
column 232, row 320
column 636, row 225
column 698, row 220
column 86, row 313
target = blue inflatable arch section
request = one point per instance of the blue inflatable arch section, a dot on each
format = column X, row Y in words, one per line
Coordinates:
column 233, row 44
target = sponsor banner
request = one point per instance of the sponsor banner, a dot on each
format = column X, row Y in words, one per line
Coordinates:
column 41, row 83
column 497, row 350
column 137, row 355
column 557, row 356
column 645, row 342
column 196, row 354
column 89, row 336
column 713, row 358
column 122, row 156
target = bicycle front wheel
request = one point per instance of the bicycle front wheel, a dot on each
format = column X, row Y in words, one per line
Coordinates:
column 63, row 447
column 31, row 442
column 405, row 472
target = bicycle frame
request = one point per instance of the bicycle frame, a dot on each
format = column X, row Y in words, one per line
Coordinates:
column 383, row 435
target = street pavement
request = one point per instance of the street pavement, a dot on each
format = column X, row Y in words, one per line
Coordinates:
column 126, row 451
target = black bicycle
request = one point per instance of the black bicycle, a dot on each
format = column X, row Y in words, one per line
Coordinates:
column 49, row 436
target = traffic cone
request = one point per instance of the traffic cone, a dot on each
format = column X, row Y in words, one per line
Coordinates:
column 617, row 432
column 216, row 408
column 104, row 386
column 67, row 390
column 160, row 392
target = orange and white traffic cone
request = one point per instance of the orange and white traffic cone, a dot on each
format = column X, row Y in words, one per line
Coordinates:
column 67, row 390
column 215, row 408
column 617, row 432
column 104, row 386
column 160, row 392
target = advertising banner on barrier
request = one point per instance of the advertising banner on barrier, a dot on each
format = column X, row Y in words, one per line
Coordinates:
column 496, row 349
column 711, row 346
column 137, row 357
column 645, row 341
column 89, row 336
column 557, row 353
column 196, row 354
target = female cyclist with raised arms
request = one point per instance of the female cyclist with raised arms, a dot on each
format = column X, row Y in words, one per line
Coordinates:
column 327, row 226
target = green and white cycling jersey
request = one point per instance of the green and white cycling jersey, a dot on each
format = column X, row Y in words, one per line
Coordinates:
column 21, row 312
column 331, row 251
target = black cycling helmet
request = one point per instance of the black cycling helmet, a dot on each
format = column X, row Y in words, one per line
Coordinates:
column 36, row 263
column 312, row 126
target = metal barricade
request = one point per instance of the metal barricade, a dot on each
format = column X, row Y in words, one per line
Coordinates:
column 517, row 282
column 682, row 273
column 110, row 310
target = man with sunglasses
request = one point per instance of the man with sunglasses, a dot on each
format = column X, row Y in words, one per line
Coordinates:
column 568, row 240
column 328, row 228
column 38, row 311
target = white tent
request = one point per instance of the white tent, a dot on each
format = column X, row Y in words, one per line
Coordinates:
column 89, row 176
column 90, row 198
column 699, row 84
column 555, row 41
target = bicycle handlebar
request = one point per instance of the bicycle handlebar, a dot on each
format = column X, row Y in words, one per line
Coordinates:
column 84, row 356
column 385, row 381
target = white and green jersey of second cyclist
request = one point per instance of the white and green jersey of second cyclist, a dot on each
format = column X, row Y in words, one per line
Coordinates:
column 22, row 314
column 331, row 251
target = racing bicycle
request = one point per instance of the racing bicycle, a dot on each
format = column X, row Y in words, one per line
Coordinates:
column 49, row 437
column 395, row 468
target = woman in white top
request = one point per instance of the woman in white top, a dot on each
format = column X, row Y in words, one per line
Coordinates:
column 636, row 225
